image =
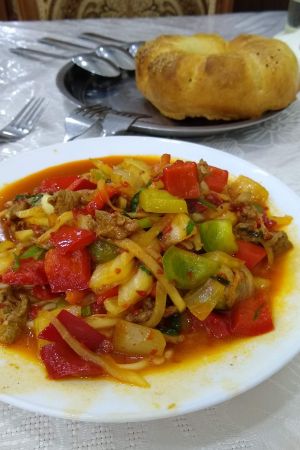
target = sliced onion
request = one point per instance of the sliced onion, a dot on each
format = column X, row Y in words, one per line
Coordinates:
column 159, row 307
column 155, row 268
column 65, row 217
column 47, row 207
column 101, row 321
column 139, row 365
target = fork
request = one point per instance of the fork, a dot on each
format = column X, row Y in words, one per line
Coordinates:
column 81, row 120
column 24, row 122
column 116, row 122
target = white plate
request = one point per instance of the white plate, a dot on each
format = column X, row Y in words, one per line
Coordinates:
column 183, row 388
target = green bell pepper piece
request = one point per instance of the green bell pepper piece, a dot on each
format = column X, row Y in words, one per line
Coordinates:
column 187, row 269
column 217, row 234
column 145, row 222
column 160, row 201
column 102, row 251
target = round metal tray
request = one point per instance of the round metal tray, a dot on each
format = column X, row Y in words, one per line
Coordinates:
column 121, row 94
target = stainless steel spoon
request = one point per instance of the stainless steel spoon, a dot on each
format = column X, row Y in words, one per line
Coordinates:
column 117, row 55
column 96, row 65
column 131, row 47
column 113, row 53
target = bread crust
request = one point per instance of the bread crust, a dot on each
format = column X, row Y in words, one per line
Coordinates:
column 206, row 76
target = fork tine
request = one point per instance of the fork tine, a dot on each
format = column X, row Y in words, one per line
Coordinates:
column 22, row 116
column 24, row 109
column 92, row 113
column 28, row 116
column 39, row 111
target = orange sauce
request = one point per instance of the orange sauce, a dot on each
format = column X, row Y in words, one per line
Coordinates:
column 194, row 344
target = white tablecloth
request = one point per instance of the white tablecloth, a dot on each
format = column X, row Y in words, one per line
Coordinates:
column 267, row 417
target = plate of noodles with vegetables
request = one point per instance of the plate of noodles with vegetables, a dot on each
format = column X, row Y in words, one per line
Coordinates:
column 142, row 278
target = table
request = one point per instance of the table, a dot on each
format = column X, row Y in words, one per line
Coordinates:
column 267, row 417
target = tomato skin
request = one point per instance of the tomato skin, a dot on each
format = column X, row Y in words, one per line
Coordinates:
column 100, row 199
column 70, row 182
column 43, row 293
column 61, row 362
column 69, row 239
column 75, row 297
column 217, row 325
column 70, row 271
column 216, row 179
column 251, row 317
column 250, row 253
column 181, row 179
column 80, row 330
column 54, row 184
column 81, row 183
column 30, row 273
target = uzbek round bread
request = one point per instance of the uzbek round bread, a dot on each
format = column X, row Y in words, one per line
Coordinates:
column 206, row 76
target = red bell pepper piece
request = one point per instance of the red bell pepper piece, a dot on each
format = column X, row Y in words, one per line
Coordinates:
column 216, row 179
column 61, row 361
column 80, row 330
column 100, row 199
column 55, row 184
column 30, row 273
column 251, row 253
column 70, row 271
column 69, row 239
column 181, row 179
column 217, row 325
column 81, row 183
column 251, row 317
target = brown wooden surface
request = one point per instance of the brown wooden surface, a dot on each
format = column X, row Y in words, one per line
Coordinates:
column 224, row 6
column 28, row 9
column 3, row 11
column 260, row 5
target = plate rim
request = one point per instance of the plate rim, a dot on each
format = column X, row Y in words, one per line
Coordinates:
column 56, row 148
column 142, row 126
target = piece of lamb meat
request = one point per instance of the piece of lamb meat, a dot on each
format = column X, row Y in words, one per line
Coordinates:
column 114, row 225
column 65, row 200
column 13, row 314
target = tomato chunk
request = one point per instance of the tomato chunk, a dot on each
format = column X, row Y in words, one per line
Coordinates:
column 75, row 297
column 55, row 184
column 69, row 239
column 29, row 273
column 43, row 292
column 70, row 271
column 100, row 199
column 61, row 361
column 181, row 179
column 216, row 179
column 217, row 325
column 80, row 330
column 252, row 317
column 251, row 253
column 81, row 183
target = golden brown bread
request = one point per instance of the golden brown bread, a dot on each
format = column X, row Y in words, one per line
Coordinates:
column 206, row 76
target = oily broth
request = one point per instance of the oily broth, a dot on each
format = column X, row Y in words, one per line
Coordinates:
column 196, row 345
